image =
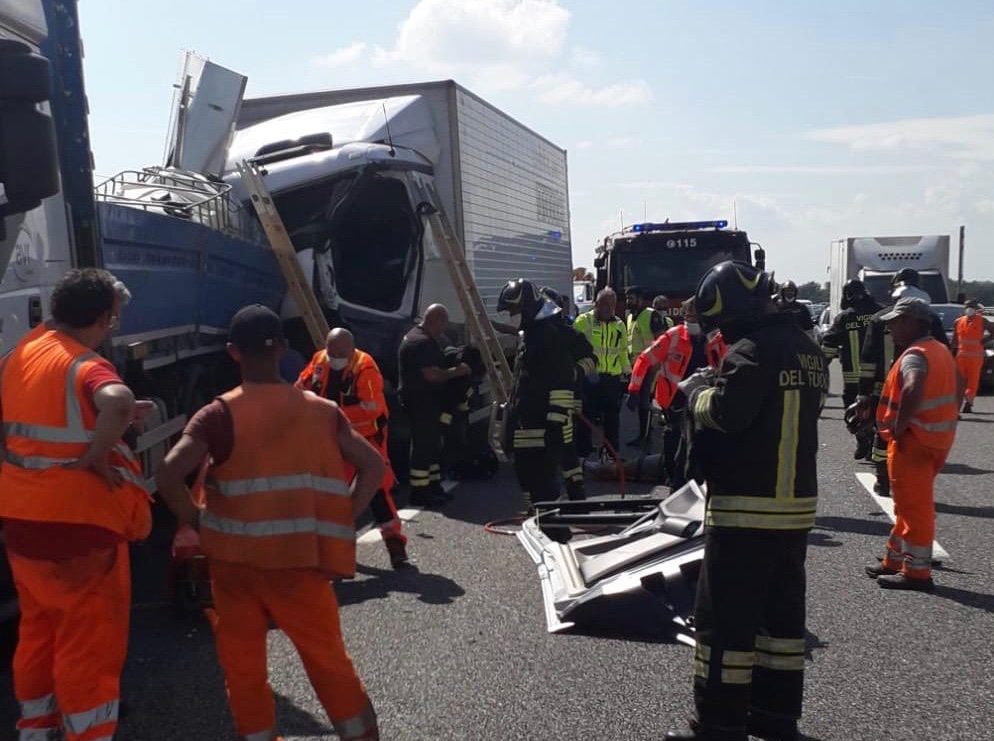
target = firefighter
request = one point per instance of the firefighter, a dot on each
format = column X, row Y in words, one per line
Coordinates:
column 71, row 497
column 787, row 303
column 277, row 525
column 541, row 416
column 585, row 368
column 351, row 378
column 968, row 347
column 917, row 417
column 762, row 412
column 877, row 357
column 669, row 360
column 423, row 376
column 608, row 335
column 844, row 340
column 645, row 324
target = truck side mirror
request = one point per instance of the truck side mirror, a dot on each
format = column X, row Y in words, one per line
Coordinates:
column 29, row 165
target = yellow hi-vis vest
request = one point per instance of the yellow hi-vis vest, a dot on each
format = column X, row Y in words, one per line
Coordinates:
column 639, row 332
column 609, row 340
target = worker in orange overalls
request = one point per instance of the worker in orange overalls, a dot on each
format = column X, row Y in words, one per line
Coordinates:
column 71, row 497
column 278, row 524
column 917, row 416
column 676, row 354
column 968, row 347
column 351, row 378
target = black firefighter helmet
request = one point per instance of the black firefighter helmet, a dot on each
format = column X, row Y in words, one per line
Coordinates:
column 905, row 277
column 520, row 296
column 853, row 292
column 732, row 292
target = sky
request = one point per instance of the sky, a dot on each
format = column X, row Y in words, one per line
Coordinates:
column 816, row 120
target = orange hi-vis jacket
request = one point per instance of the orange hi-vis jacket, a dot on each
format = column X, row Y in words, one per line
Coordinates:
column 969, row 331
column 361, row 398
column 934, row 424
column 281, row 500
column 672, row 350
column 46, row 425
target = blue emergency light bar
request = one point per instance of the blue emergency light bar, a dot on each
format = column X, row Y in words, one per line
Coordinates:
column 677, row 226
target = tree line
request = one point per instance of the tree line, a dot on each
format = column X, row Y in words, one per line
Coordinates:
column 982, row 290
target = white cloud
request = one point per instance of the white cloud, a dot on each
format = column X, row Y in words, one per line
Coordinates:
column 559, row 89
column 341, row 57
column 960, row 137
column 581, row 56
column 620, row 142
column 585, row 144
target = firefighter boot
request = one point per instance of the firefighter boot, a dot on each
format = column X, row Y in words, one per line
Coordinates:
column 882, row 487
column 764, row 729
column 863, row 448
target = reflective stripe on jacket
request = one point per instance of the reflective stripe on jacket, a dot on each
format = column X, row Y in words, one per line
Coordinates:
column 46, row 425
column 609, row 340
column 934, row 423
column 672, row 351
column 639, row 332
column 969, row 337
column 281, row 500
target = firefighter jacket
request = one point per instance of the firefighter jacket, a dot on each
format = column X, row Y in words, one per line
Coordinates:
column 47, row 424
column 844, row 339
column 968, row 336
column 281, row 500
column 762, row 422
column 543, row 398
column 878, row 354
column 934, row 423
column 361, row 394
column 671, row 352
column 609, row 340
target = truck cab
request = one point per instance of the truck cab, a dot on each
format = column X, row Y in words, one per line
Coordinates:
column 669, row 258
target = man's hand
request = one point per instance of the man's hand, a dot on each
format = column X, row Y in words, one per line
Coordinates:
column 863, row 407
column 696, row 380
column 98, row 465
column 463, row 370
column 142, row 408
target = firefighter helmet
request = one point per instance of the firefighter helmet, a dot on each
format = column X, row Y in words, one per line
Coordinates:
column 858, row 423
column 905, row 276
column 551, row 294
column 519, row 296
column 788, row 285
column 731, row 292
column 853, row 291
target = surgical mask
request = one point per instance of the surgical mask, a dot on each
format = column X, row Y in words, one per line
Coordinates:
column 693, row 328
column 338, row 363
column 970, row 312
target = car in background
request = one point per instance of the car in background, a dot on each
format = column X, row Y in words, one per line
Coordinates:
column 949, row 313
column 822, row 323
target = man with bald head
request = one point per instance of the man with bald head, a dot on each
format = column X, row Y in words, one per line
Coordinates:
column 423, row 376
column 351, row 378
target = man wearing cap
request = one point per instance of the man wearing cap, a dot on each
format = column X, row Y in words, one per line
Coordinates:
column 351, row 378
column 968, row 347
column 277, row 526
column 916, row 417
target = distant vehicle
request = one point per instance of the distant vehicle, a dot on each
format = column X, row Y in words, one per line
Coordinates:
column 669, row 258
column 822, row 323
column 875, row 260
column 583, row 295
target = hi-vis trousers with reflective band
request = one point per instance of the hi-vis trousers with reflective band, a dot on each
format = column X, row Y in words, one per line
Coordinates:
column 302, row 604
column 749, row 623
column 912, row 468
column 72, row 643
column 970, row 367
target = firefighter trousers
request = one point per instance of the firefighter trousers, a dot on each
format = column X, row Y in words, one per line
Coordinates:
column 749, row 620
column 569, row 461
column 970, row 368
column 302, row 604
column 426, row 445
column 72, row 643
column 912, row 468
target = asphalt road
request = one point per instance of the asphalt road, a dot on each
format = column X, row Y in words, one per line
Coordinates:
column 458, row 649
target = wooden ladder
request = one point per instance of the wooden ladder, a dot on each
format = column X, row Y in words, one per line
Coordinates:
column 481, row 330
column 286, row 255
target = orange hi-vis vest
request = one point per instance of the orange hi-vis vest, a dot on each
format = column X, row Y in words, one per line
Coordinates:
column 672, row 351
column 281, row 500
column 934, row 424
column 969, row 336
column 46, row 425
column 361, row 397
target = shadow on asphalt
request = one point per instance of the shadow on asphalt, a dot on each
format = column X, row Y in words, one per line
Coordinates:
column 292, row 721
column 964, row 469
column 432, row 589
column 848, row 525
column 964, row 510
column 966, row 598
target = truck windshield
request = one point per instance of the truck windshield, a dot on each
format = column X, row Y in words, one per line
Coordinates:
column 879, row 287
column 663, row 264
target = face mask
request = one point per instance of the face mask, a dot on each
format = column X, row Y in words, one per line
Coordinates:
column 970, row 312
column 338, row 363
column 693, row 328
